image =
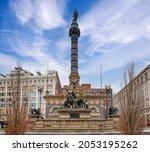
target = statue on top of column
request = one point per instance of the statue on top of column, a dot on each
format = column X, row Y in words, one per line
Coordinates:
column 75, row 15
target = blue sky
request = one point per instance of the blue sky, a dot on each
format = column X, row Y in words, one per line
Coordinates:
column 113, row 33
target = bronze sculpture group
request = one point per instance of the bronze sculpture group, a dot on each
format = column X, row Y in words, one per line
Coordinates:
column 73, row 102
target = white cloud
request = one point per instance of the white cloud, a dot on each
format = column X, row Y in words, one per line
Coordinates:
column 118, row 57
column 7, row 62
column 37, row 16
column 26, row 47
column 121, row 21
column 148, row 27
column 115, row 33
column 40, row 15
column 23, row 10
column 40, row 53
column 49, row 14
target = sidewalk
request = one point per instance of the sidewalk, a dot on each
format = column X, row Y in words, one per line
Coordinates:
column 2, row 132
column 145, row 132
column 147, row 129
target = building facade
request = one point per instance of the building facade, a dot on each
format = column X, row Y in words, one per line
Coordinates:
column 105, row 92
column 142, row 80
column 36, row 87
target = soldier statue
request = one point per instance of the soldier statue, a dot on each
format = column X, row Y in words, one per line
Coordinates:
column 75, row 15
column 73, row 102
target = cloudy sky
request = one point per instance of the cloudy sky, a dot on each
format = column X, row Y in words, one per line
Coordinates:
column 113, row 33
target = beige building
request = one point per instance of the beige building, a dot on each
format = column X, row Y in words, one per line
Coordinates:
column 37, row 86
column 142, row 79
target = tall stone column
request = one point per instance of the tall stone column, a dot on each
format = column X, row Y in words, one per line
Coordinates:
column 74, row 33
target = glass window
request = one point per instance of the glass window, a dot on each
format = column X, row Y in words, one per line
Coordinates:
column 145, row 76
column 93, row 109
column 3, row 94
column 50, row 86
column 32, row 105
column 55, row 110
column 33, row 99
column 2, row 105
column 137, row 81
column 33, row 93
column 8, row 93
column 141, row 79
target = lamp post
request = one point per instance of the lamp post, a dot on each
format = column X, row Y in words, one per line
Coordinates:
column 40, row 89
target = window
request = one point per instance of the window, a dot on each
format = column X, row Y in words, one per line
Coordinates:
column 93, row 109
column 33, row 88
column 8, row 93
column 2, row 105
column 51, row 92
column 50, row 86
column 24, row 93
column 137, row 81
column 8, row 99
column 33, row 99
column 55, row 110
column 3, row 94
column 33, row 93
column 35, row 81
column 146, row 76
column 141, row 79
column 3, row 88
column 135, row 84
column 32, row 104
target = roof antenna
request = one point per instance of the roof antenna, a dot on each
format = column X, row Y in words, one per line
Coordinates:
column 101, row 76
column 47, row 92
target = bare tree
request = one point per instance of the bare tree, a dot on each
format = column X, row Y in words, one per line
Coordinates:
column 131, row 104
column 17, row 107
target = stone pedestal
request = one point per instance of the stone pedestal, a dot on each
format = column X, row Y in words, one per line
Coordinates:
column 74, row 113
column 74, row 121
column 74, row 126
column 116, row 122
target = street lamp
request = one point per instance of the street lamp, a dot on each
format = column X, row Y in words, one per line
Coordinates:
column 40, row 89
